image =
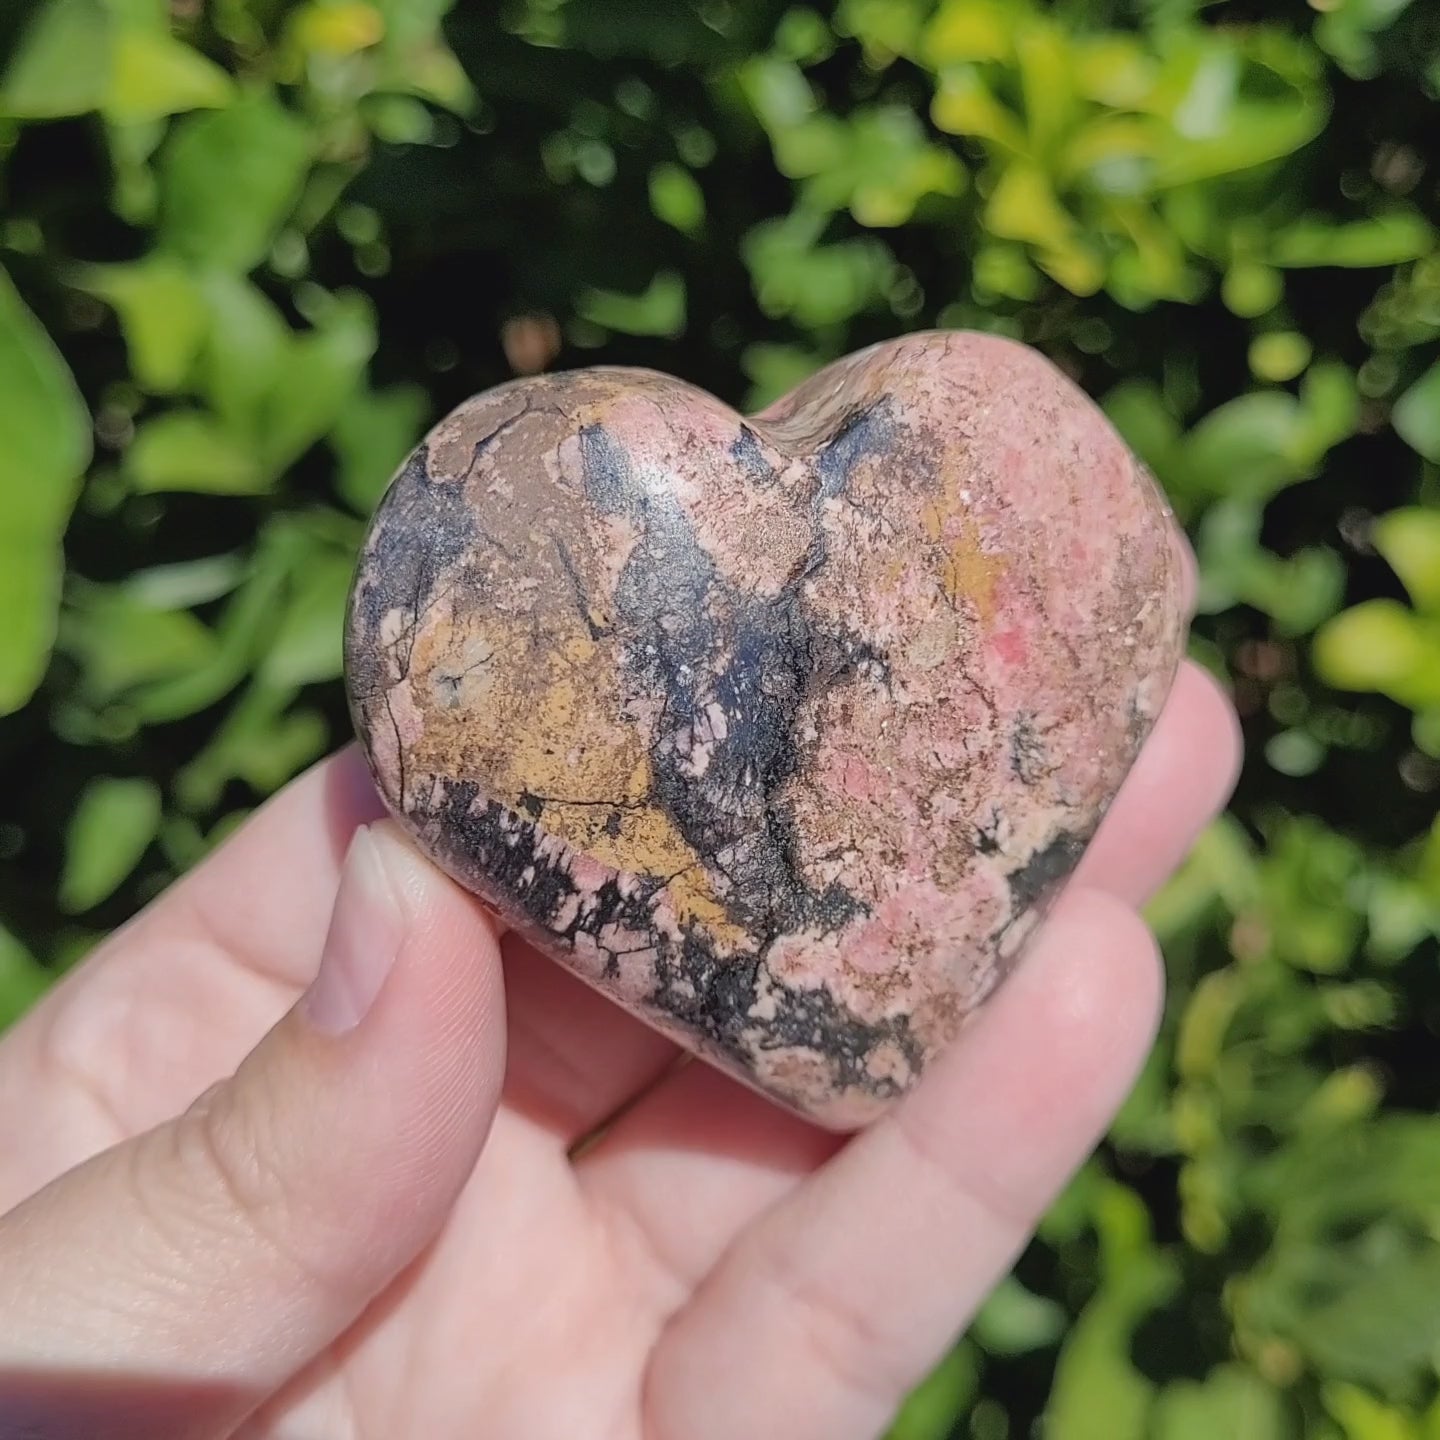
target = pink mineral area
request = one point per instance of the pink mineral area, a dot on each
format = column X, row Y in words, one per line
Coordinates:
column 782, row 732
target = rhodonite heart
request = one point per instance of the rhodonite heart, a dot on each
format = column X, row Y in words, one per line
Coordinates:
column 783, row 732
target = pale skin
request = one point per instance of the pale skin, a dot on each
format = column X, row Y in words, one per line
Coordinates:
column 232, row 1213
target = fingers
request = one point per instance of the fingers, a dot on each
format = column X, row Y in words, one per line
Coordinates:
column 315, row 817
column 740, row 1154
column 575, row 1056
column 175, row 999
column 864, row 1274
column 1180, row 782
column 217, row 1254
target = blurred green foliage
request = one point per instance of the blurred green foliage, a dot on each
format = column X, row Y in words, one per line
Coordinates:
column 250, row 249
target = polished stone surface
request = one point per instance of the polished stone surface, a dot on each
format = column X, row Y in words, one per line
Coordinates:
column 784, row 731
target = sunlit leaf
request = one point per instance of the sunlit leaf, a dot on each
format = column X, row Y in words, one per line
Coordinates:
column 305, row 647
column 44, row 448
column 1383, row 240
column 1231, row 1401
column 1382, row 645
column 1045, row 65
column 965, row 30
column 1095, row 147
column 157, row 75
column 229, row 179
column 935, row 1407
column 1417, row 415
column 261, row 741
column 1279, row 356
column 247, row 344
column 162, row 312
column 1024, row 206
column 318, row 372
column 336, row 27
column 122, row 640
column 63, row 64
column 188, row 450
column 1221, row 128
column 1410, row 540
column 1098, row 1393
column 964, row 105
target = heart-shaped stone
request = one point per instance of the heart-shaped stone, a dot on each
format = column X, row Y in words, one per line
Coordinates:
column 783, row 732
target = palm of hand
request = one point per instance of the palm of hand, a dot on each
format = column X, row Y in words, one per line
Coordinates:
column 712, row 1266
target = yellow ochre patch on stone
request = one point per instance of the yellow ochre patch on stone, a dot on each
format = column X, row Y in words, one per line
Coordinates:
column 550, row 731
column 967, row 570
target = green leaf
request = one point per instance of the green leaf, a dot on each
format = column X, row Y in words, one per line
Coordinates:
column 1211, row 94
column 163, row 314
column 44, row 449
column 817, row 285
column 1250, row 290
column 676, row 198
column 1425, row 731
column 259, row 742
column 1348, row 33
column 185, row 583
column 1042, row 53
column 891, row 167
column 121, row 641
column 1015, row 1321
column 186, row 450
column 1366, row 1418
column 1024, row 206
column 248, row 342
column 1279, row 356
column 964, row 105
column 1138, row 411
column 1231, row 1401
column 936, row 1405
column 1368, row 1312
column 23, row 980
column 1379, row 645
column 157, row 75
column 968, row 30
column 63, row 64
column 1384, row 240
column 1417, row 415
column 320, row 372
column 1098, row 1393
column 112, row 827
column 373, row 434
column 775, row 369
column 229, row 180
column 659, row 310
column 336, row 27
column 1245, row 447
column 306, row 647
column 1410, row 540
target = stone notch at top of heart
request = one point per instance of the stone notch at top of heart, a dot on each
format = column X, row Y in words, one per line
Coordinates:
column 783, row 731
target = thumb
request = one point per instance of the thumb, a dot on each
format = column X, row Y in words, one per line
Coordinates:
column 200, row 1265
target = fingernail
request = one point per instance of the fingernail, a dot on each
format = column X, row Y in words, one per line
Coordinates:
column 366, row 928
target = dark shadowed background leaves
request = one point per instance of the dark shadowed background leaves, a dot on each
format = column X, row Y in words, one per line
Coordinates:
column 251, row 248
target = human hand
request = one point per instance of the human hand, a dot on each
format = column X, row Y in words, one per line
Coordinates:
column 317, row 1246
